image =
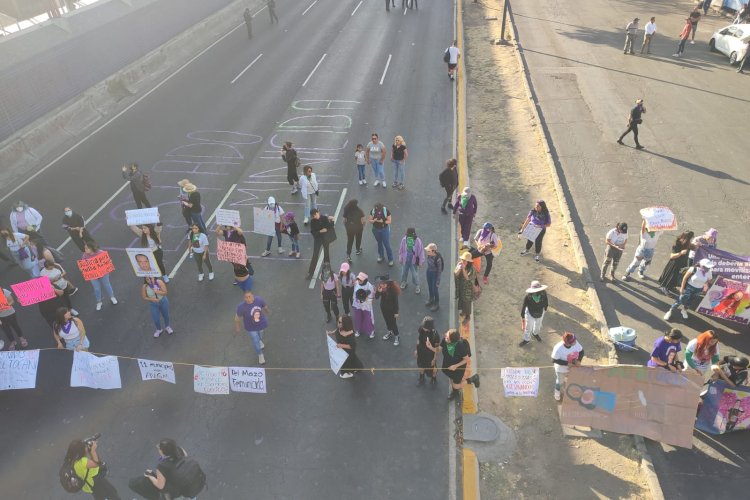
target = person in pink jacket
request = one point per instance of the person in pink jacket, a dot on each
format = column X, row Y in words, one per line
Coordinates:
column 411, row 256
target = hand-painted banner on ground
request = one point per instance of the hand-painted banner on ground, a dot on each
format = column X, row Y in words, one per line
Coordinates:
column 96, row 267
column 659, row 218
column 724, row 409
column 336, row 355
column 650, row 402
column 4, row 306
column 33, row 291
column 727, row 299
column 229, row 251
column 729, row 265
column 226, row 217
column 95, row 372
column 157, row 370
column 211, row 379
column 263, row 221
column 531, row 232
column 143, row 262
column 142, row 216
column 520, row 381
column 245, row 379
column 18, row 369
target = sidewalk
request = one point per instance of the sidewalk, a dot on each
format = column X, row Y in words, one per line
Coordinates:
column 508, row 173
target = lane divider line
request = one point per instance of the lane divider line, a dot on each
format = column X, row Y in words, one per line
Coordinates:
column 246, row 68
column 385, row 70
column 259, row 11
column 311, row 73
column 310, row 7
column 357, row 7
column 320, row 257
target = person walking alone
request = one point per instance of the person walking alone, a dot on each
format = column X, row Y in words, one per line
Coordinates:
column 253, row 314
column 684, row 35
column 388, row 292
column 449, row 181
column 451, row 56
column 139, row 184
column 289, row 155
column 634, row 119
column 540, row 218
column 694, row 17
column 248, row 23
column 271, row 4
column 534, row 306
column 435, row 266
column 630, row 31
column 154, row 291
column 648, row 35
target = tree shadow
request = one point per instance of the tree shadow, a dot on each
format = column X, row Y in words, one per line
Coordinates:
column 698, row 168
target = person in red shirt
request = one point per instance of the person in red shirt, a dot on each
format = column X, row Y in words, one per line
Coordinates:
column 684, row 35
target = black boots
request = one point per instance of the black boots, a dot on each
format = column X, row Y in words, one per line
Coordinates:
column 421, row 380
column 474, row 379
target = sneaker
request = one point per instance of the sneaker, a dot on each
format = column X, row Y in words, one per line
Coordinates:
column 619, row 141
column 537, row 337
column 73, row 292
column 403, row 285
column 359, row 251
column 523, row 343
column 639, row 146
column 157, row 334
column 371, row 336
column 668, row 315
column 298, row 255
column 380, row 259
column 466, row 243
column 356, row 334
column 536, row 257
column 236, row 283
column 602, row 278
column 165, row 278
column 169, row 330
column 524, row 252
column 625, row 277
column 486, row 280
column 390, row 263
column 613, row 277
column 428, row 303
column 396, row 341
column 364, row 182
column 401, row 187
column 306, row 221
column 435, row 307
column 474, row 379
column 417, row 290
column 281, row 250
column 210, row 276
column 664, row 290
column 349, row 259
column 375, row 184
column 261, row 359
column 200, row 277
column 692, row 42
column 675, row 55
column 558, row 396
column 346, row 375
column 385, row 186
column 684, row 313
column 292, row 253
column 113, row 300
column 73, row 312
column 98, row 306
column 294, row 190
column 395, row 184
column 388, row 336
column 265, row 254
column 641, row 275
column 262, row 345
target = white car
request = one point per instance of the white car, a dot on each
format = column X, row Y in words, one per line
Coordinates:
column 731, row 41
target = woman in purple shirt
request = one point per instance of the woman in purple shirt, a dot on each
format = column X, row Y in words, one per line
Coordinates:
column 539, row 217
column 465, row 208
column 665, row 351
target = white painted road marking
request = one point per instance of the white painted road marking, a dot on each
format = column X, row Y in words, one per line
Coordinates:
column 310, row 7
column 311, row 73
column 388, row 63
column 246, row 68
column 259, row 11
column 357, row 7
column 320, row 257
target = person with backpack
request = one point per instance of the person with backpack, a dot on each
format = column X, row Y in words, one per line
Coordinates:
column 139, row 184
column 277, row 212
column 83, row 470
column 289, row 155
column 450, row 57
column 411, row 256
column 435, row 266
column 176, row 475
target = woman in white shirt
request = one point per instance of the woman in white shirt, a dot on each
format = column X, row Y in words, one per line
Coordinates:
column 309, row 188
column 69, row 331
column 20, row 249
column 151, row 238
column 198, row 245
column 364, row 321
column 616, row 239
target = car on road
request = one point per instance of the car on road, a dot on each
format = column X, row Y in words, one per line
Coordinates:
column 731, row 41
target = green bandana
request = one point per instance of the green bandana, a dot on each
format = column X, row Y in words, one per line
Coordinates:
column 410, row 243
column 451, row 348
column 536, row 297
column 464, row 201
column 652, row 233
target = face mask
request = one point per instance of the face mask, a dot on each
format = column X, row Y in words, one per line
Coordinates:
column 68, row 213
column 19, row 209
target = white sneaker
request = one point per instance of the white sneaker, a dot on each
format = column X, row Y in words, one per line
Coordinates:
column 356, row 334
column 261, row 359
column 165, row 278
column 210, row 276
column 364, row 182
column 375, row 184
column 641, row 275
column 558, row 396
column 113, row 300
column 281, row 250
column 98, row 306
column 668, row 315
column 417, row 290
column 305, row 221
column 346, row 375
column 265, row 254
column 169, row 330
column 157, row 334
column 294, row 190
column 684, row 313
column 692, row 42
column 73, row 312
column 262, row 345
column 382, row 183
column 200, row 277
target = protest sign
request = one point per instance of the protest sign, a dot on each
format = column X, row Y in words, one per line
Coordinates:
column 96, row 267
column 4, row 306
column 724, row 409
column 336, row 355
column 263, row 221
column 143, row 262
column 732, row 266
column 650, row 402
column 18, row 369
column 157, row 370
column 244, row 379
column 95, row 372
column 211, row 379
column 531, row 232
column 33, row 291
column 520, row 381
column 226, row 217
column 229, row 251
column 142, row 216
column 659, row 218
column 727, row 299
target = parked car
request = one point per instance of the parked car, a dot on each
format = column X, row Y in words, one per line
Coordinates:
column 731, row 41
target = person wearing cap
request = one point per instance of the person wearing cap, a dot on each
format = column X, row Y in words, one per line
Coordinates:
column 643, row 253
column 465, row 277
column 695, row 281
column 665, row 351
column 732, row 370
column 435, row 266
column 465, row 208
column 277, row 213
column 648, row 34
column 364, row 320
column 615, row 242
column 428, row 345
column 194, row 204
column 411, row 256
column 347, row 280
column 487, row 243
column 183, row 198
column 684, row 35
column 630, row 31
column 538, row 216
column 635, row 118
column 532, row 312
column 566, row 353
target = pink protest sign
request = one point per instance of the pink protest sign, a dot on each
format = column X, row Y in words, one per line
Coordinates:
column 33, row 291
column 229, row 251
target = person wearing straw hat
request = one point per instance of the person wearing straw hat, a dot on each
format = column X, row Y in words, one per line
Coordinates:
column 183, row 197
column 532, row 312
column 695, row 281
column 194, row 203
column 566, row 353
column 466, row 279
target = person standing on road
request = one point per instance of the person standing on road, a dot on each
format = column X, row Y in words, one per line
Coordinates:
column 62, row 287
column 452, row 54
column 193, row 203
column 271, row 4
column 678, row 259
column 456, row 357
column 684, row 35
column 465, row 208
column 534, row 306
column 702, row 352
column 465, row 277
column 364, row 320
column 487, row 244
column 538, row 216
column 243, row 274
column 154, row 291
column 183, row 198
column 374, row 156
column 354, row 222
column 344, row 337
column 388, row 292
column 20, row 248
column 634, row 119
column 139, row 184
column 694, row 17
column 278, row 213
column 566, row 353
column 199, row 251
column 161, row 483
column 74, row 224
column 289, row 155
column 695, row 281
column 86, row 464
column 630, row 31
column 150, row 236
column 320, row 226
column 347, row 281
column 664, row 353
column 253, row 313
column 248, row 23
column 359, row 158
column 643, row 253
column 27, row 220
column 330, row 291
column 435, row 266
column 648, row 35
column 292, row 229
column 615, row 242
column 741, row 67
column 9, row 323
column 399, row 155
column 91, row 250
column 411, row 256
column 309, row 189
column 380, row 218
column 428, row 344
column 69, row 332
column 449, row 181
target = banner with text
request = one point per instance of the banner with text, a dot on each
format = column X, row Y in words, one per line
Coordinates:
column 96, row 267
column 727, row 299
column 659, row 218
column 33, row 291
column 225, row 217
column 732, row 266
column 520, row 381
column 211, row 379
column 18, row 369
column 229, row 251
column 95, row 372
column 263, row 221
column 531, row 232
column 157, row 370
column 246, row 379
column 142, row 216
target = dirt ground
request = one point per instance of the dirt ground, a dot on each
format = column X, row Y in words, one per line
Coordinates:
column 508, row 173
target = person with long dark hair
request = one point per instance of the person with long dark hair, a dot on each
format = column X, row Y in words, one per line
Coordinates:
column 678, row 260
column 154, row 291
column 91, row 250
column 160, row 484
column 364, row 320
column 538, row 216
column 84, row 458
column 243, row 275
column 411, row 256
column 428, row 345
column 20, row 248
column 150, row 236
column 69, row 332
column 354, row 222
column 449, row 181
column 344, row 337
column 347, row 281
column 388, row 292
column 487, row 244
column 330, row 291
column 199, row 251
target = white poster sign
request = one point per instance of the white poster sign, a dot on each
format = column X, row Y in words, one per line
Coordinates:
column 336, row 355
column 659, row 218
column 157, row 370
column 226, row 217
column 96, row 372
column 18, row 369
column 531, row 232
column 245, row 379
column 143, row 262
column 263, row 221
column 211, row 379
column 142, row 216
column 520, row 381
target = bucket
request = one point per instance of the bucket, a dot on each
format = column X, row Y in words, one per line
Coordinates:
column 623, row 338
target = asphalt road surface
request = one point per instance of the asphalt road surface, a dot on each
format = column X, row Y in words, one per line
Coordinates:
column 312, row 435
column 695, row 162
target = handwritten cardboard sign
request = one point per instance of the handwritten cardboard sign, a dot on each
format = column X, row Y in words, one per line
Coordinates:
column 659, row 218
column 211, row 379
column 520, row 381
column 18, row 369
column 229, row 251
column 157, row 370
column 531, row 232
column 96, row 267
column 263, row 221
column 94, row 371
column 336, row 355
column 33, row 291
column 244, row 379
column 142, row 216
column 226, row 217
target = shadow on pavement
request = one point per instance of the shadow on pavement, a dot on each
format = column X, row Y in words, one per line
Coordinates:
column 698, row 168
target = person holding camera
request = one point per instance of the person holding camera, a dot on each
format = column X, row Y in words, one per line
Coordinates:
column 139, row 184
column 633, row 121
column 161, row 483
column 89, row 469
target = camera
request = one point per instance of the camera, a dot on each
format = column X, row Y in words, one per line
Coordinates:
column 90, row 440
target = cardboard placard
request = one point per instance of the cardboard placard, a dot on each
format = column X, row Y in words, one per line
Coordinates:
column 246, row 379
column 531, row 232
column 211, row 379
column 18, row 369
column 520, row 381
column 95, row 372
column 96, row 267
column 33, row 291
column 336, row 355
column 142, row 216
column 229, row 251
column 225, row 217
column 263, row 222
column 143, row 262
column 727, row 299
column 659, row 218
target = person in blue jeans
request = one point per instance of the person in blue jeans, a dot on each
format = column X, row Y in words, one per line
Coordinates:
column 411, row 256
column 374, row 156
column 91, row 250
column 380, row 218
column 154, row 291
column 193, row 203
column 253, row 313
column 695, row 281
column 435, row 266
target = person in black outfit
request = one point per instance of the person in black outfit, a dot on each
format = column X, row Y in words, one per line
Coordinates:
column 272, row 11
column 456, row 355
column 319, row 226
column 387, row 291
column 160, row 484
column 354, row 222
column 449, row 182
column 744, row 59
column 194, row 204
column 137, row 184
column 289, row 155
column 248, row 23
column 344, row 337
column 426, row 351
column 74, row 224
column 633, row 121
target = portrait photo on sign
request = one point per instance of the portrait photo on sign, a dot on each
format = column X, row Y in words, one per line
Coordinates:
column 143, row 262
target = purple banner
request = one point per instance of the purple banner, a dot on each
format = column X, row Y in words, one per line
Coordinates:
column 729, row 265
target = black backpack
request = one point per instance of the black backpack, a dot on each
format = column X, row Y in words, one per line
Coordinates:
column 188, row 477
column 69, row 479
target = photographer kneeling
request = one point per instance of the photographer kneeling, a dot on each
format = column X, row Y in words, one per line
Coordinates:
column 166, row 483
column 90, row 469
